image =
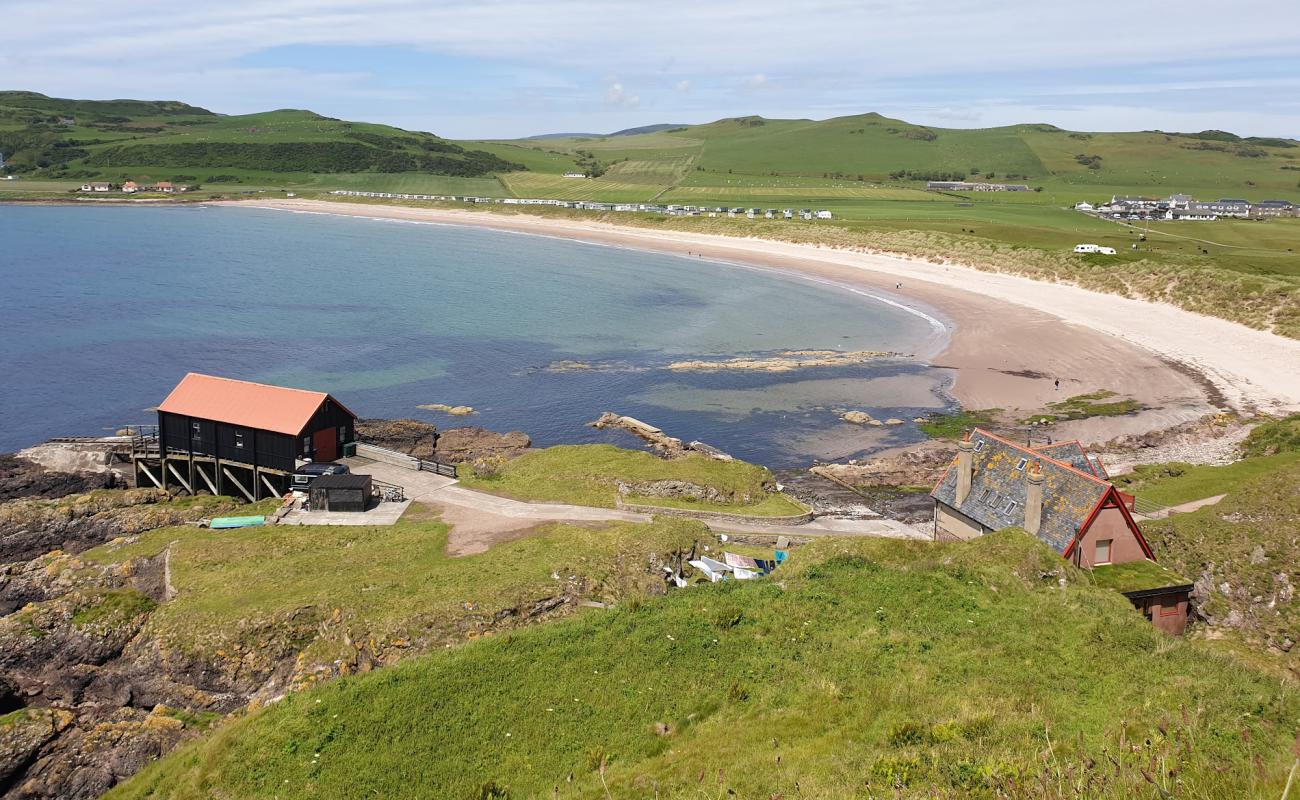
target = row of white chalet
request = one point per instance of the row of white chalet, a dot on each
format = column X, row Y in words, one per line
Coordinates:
column 1186, row 207
column 671, row 210
column 131, row 187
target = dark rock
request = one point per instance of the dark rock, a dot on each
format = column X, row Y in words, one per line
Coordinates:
column 20, row 477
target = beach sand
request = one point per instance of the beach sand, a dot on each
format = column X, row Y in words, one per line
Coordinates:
column 1012, row 338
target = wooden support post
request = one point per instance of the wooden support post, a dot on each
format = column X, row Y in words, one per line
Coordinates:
column 235, row 481
column 172, row 466
column 143, row 467
column 199, row 469
column 270, row 486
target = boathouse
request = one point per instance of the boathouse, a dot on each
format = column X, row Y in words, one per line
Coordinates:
column 240, row 438
column 1060, row 494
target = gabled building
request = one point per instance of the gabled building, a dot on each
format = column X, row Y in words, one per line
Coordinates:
column 240, row 438
column 1061, row 495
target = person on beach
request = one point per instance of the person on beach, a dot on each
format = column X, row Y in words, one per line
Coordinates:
column 1058, row 384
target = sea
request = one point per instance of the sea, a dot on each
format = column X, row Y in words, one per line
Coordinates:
column 104, row 309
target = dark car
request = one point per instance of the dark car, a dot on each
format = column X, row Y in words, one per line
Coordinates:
column 302, row 478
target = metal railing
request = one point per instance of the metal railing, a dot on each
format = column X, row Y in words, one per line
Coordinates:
column 388, row 492
column 438, row 468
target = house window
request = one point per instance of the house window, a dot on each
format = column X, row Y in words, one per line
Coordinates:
column 985, row 497
column 1103, row 551
column 1022, row 463
column 306, row 444
column 343, row 434
column 993, row 500
column 1009, row 507
column 979, row 445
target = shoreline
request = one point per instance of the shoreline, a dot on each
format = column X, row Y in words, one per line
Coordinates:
column 1010, row 337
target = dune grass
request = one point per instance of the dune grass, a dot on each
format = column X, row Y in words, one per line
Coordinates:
column 871, row 668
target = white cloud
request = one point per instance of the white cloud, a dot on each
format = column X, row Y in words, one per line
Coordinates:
column 618, row 95
column 546, row 49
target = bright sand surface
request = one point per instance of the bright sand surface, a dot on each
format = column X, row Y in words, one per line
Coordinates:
column 1013, row 336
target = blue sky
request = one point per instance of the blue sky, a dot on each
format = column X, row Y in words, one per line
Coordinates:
column 505, row 68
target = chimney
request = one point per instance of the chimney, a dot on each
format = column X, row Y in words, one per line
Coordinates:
column 965, row 457
column 1034, row 497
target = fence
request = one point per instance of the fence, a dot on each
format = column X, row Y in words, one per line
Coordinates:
column 386, row 456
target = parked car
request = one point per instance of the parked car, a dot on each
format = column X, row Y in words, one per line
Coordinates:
column 303, row 477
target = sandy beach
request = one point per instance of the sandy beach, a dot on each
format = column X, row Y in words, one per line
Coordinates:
column 1012, row 338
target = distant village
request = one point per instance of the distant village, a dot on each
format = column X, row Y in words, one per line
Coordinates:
column 671, row 210
column 1185, row 207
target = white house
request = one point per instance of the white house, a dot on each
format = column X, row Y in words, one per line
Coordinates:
column 575, row 174
column 1086, row 248
column 1086, row 207
column 823, row 214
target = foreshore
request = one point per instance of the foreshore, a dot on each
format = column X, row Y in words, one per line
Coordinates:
column 1014, row 337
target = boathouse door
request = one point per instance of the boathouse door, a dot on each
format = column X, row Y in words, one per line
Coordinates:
column 325, row 443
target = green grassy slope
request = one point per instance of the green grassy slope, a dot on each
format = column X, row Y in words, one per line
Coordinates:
column 590, row 474
column 870, row 147
column 870, row 668
column 327, row 593
column 1245, row 550
column 77, row 139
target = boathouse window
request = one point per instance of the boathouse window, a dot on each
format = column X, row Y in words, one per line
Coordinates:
column 196, row 431
column 1103, row 551
column 306, row 444
column 239, row 440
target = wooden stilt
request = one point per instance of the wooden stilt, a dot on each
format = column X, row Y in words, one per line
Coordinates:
column 235, row 481
column 177, row 473
column 143, row 467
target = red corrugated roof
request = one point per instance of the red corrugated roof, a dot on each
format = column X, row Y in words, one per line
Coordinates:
column 254, row 405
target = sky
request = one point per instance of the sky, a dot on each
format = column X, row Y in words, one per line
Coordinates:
column 510, row 68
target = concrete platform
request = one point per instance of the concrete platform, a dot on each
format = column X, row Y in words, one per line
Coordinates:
column 381, row 514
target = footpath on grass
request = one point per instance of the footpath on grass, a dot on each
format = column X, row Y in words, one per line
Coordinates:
column 480, row 519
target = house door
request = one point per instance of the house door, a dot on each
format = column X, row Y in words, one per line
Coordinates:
column 325, row 443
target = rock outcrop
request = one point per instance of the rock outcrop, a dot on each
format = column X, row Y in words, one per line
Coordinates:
column 22, row 477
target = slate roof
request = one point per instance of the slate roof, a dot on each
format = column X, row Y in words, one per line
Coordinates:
column 1077, row 456
column 999, row 488
column 252, row 405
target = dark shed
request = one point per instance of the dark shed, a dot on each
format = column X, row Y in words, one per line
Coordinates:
column 341, row 493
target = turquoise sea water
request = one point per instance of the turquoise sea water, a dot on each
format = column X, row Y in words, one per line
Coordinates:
column 104, row 309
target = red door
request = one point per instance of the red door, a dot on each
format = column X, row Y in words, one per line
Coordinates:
column 326, row 444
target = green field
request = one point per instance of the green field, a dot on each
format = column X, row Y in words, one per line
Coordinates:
column 590, row 475
column 871, row 668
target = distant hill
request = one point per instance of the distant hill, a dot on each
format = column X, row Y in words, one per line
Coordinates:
column 875, row 148
column 78, row 139
column 624, row 132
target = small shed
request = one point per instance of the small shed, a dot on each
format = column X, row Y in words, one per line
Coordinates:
column 341, row 493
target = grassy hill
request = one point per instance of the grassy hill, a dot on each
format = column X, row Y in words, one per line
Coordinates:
column 754, row 152
column 49, row 138
column 867, row 668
